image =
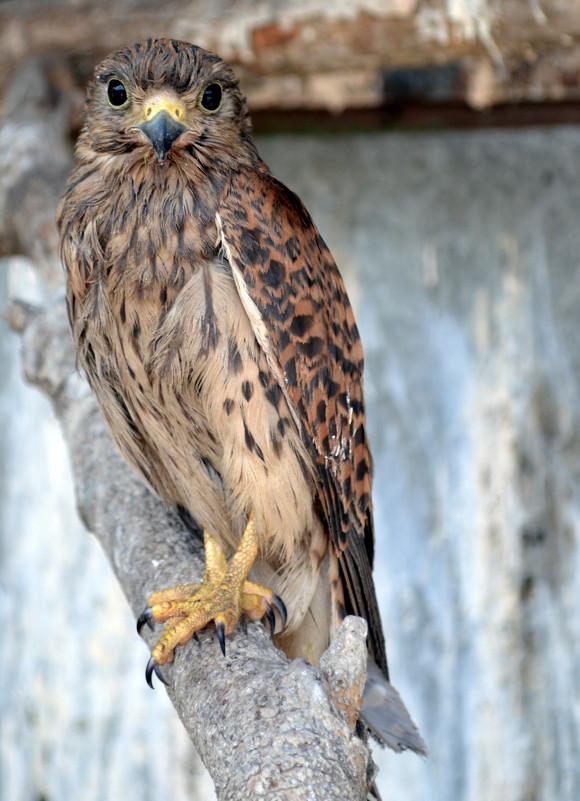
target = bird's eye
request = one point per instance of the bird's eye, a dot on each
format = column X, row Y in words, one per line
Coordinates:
column 117, row 93
column 211, row 98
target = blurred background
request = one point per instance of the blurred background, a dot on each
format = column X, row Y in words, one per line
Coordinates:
column 437, row 146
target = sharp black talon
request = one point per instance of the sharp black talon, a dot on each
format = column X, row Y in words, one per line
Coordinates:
column 159, row 675
column 153, row 667
column 145, row 617
column 195, row 637
column 220, row 628
column 281, row 607
column 271, row 619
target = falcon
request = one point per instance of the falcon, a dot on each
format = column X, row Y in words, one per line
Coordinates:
column 217, row 335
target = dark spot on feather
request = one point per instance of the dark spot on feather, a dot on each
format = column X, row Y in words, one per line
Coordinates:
column 264, row 378
column 332, row 388
column 163, row 295
column 274, row 395
column 251, row 443
column 276, row 310
column 347, row 487
column 336, row 352
column 283, row 424
column 361, row 470
column 290, row 371
column 292, row 248
column 275, row 274
column 341, row 610
column 301, row 324
column 348, row 367
column 228, row 406
column 357, row 406
column 254, row 253
column 312, row 347
column 321, row 411
column 359, row 435
column 122, row 313
column 131, row 372
column 136, row 330
column 332, row 428
column 247, row 389
column 283, row 339
column 234, row 357
column 180, row 250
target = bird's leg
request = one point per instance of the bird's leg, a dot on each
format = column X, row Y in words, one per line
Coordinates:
column 222, row 597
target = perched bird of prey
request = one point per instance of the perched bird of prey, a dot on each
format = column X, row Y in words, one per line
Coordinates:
column 219, row 340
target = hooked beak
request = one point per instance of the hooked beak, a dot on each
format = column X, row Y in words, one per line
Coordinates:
column 163, row 124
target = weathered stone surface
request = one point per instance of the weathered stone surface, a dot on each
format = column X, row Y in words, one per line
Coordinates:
column 304, row 54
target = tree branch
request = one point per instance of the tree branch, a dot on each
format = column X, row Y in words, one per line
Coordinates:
column 265, row 727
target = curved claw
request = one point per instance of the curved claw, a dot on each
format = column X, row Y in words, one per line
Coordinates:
column 281, row 607
column 271, row 619
column 145, row 617
column 220, row 628
column 153, row 667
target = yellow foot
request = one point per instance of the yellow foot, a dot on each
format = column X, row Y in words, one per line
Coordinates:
column 222, row 597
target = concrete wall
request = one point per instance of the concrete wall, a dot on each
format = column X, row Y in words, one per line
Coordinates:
column 461, row 254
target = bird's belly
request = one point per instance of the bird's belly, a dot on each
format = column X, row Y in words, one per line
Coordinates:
column 200, row 391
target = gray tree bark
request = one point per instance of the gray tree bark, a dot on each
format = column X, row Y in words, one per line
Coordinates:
column 264, row 727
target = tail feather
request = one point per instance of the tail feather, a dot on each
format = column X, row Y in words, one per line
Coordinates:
column 386, row 715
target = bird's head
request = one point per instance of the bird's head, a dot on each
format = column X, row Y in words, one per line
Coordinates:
column 163, row 101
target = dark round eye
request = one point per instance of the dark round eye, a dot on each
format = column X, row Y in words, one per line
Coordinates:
column 116, row 93
column 211, row 98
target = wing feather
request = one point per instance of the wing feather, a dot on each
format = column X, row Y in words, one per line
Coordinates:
column 299, row 309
